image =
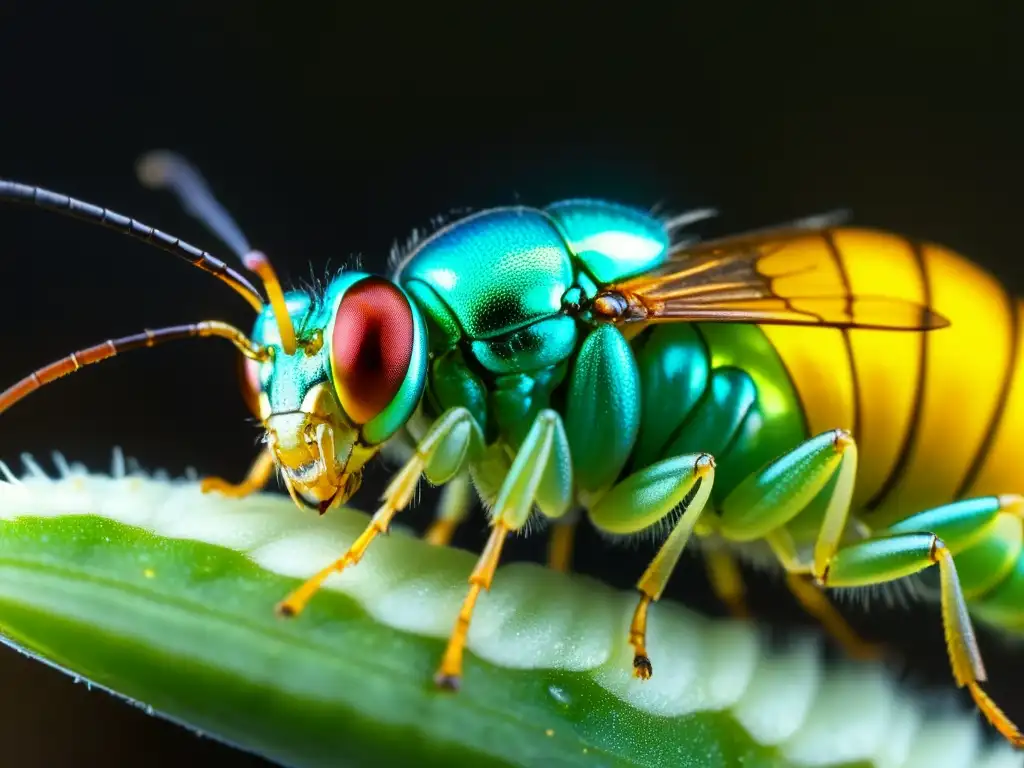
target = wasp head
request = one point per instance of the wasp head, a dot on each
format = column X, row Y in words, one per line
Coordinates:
column 353, row 380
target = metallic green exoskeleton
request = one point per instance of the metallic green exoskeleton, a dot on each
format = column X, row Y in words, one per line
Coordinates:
column 581, row 358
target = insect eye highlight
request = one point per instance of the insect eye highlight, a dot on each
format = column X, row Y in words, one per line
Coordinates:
column 371, row 347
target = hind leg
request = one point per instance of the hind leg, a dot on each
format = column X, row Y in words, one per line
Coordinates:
column 762, row 505
column 927, row 539
column 819, row 471
column 726, row 580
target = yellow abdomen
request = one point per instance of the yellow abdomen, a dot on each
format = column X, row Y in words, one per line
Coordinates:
column 938, row 415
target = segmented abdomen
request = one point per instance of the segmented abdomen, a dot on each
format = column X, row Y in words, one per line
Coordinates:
column 938, row 416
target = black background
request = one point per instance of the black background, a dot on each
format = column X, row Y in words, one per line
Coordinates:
column 331, row 132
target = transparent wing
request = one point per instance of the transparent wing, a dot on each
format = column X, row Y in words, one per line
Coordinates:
column 790, row 275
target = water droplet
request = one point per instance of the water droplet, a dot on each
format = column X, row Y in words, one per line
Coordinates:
column 560, row 695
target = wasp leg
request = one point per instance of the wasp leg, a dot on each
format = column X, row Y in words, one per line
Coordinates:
column 915, row 544
column 257, row 478
column 449, row 675
column 456, row 500
column 813, row 600
column 726, row 580
column 638, row 502
column 540, row 475
column 561, row 542
column 819, row 472
column 440, row 455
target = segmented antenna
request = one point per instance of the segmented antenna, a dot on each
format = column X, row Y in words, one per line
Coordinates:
column 100, row 352
column 11, row 191
column 162, row 169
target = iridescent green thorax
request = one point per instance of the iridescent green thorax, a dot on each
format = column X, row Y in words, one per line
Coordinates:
column 506, row 283
column 495, row 272
column 611, row 242
column 502, row 292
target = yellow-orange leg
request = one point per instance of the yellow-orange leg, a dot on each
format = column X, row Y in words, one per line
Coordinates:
column 257, row 478
column 900, row 551
column 965, row 658
column 814, row 600
column 450, row 672
column 817, row 604
column 454, row 506
column 726, row 580
column 643, row 499
column 560, row 545
column 819, row 472
column 545, row 447
column 396, row 497
column 642, row 667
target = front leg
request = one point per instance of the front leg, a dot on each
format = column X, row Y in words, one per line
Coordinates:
column 256, row 480
column 442, row 452
column 638, row 502
column 540, row 475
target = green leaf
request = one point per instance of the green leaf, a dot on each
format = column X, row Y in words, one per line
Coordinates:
column 165, row 595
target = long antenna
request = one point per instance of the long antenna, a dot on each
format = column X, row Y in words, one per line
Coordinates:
column 11, row 191
column 112, row 347
column 162, row 169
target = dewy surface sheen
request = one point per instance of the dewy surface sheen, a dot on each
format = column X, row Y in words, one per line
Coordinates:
column 536, row 618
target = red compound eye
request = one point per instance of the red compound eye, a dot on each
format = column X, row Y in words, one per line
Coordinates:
column 371, row 347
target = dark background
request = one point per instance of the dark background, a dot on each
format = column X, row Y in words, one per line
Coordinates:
column 331, row 133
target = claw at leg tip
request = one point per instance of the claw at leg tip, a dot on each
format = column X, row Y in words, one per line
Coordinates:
column 286, row 610
column 447, row 682
column 642, row 667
